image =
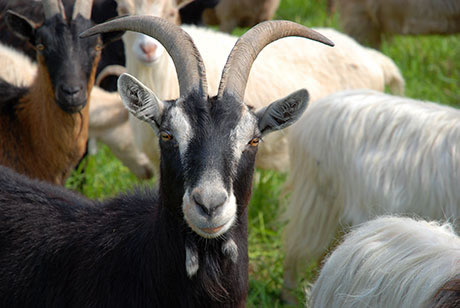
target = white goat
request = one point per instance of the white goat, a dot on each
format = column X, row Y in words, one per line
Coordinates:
column 367, row 20
column 356, row 154
column 17, row 68
column 279, row 69
column 108, row 118
column 392, row 262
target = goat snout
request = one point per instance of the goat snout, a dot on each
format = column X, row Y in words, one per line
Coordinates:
column 210, row 210
column 149, row 49
column 71, row 90
column 209, row 203
column 71, row 97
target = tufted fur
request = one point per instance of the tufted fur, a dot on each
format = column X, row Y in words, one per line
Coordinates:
column 392, row 262
column 356, row 154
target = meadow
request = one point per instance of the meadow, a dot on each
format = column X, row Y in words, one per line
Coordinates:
column 431, row 68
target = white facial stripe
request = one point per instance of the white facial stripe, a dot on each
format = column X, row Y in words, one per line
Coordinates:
column 242, row 133
column 182, row 129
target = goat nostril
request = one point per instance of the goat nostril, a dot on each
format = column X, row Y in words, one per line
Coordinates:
column 199, row 202
column 70, row 90
column 149, row 49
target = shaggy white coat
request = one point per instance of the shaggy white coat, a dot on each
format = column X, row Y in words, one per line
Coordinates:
column 389, row 262
column 357, row 154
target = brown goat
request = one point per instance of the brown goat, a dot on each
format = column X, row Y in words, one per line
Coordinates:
column 44, row 127
column 229, row 14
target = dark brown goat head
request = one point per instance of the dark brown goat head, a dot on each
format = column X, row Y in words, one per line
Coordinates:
column 69, row 61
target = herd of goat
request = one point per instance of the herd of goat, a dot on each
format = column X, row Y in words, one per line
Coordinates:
column 191, row 109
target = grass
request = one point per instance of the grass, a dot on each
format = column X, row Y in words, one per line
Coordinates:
column 431, row 68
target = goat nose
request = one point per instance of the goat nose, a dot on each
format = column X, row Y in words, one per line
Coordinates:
column 70, row 90
column 148, row 49
column 209, row 203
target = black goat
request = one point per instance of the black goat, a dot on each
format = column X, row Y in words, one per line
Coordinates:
column 58, row 249
column 101, row 11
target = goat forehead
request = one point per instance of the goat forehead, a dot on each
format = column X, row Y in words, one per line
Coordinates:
column 64, row 50
column 60, row 37
column 220, row 135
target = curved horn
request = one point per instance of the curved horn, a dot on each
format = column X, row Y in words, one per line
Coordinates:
column 187, row 60
column 236, row 71
column 53, row 7
column 109, row 70
column 83, row 7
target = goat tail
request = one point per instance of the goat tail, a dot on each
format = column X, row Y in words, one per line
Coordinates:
column 391, row 73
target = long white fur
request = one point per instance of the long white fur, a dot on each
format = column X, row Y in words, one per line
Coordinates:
column 389, row 262
column 108, row 118
column 356, row 154
column 17, row 68
column 280, row 69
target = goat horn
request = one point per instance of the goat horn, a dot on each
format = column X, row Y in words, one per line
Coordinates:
column 83, row 7
column 189, row 65
column 53, row 7
column 110, row 70
column 236, row 71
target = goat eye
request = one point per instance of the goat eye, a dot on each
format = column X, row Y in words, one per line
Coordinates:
column 165, row 136
column 254, row 142
column 40, row 47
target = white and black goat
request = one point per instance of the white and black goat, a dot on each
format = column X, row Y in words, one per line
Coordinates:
column 58, row 249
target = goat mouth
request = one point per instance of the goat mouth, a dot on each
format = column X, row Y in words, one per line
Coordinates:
column 212, row 230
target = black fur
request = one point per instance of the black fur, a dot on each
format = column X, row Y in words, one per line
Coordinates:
column 9, row 99
column 58, row 249
column 192, row 12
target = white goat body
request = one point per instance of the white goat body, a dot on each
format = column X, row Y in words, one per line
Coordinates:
column 17, row 68
column 391, row 262
column 356, row 154
column 279, row 69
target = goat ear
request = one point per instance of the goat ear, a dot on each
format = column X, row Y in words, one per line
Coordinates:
column 283, row 112
column 140, row 100
column 20, row 25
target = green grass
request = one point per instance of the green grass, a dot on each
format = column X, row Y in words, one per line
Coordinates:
column 431, row 68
